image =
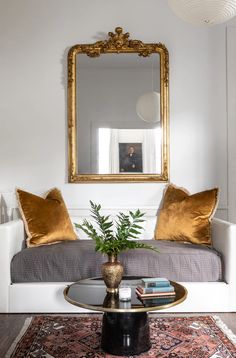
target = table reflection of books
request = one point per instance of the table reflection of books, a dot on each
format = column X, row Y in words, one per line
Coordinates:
column 158, row 301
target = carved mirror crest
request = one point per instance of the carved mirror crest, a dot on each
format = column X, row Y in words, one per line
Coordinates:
column 118, row 109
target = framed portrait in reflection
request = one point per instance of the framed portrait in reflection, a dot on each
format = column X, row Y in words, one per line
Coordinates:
column 130, row 158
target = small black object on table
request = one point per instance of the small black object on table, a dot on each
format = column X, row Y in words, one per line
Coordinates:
column 125, row 326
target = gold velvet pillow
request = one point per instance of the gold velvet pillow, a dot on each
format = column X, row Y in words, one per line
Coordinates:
column 46, row 220
column 186, row 217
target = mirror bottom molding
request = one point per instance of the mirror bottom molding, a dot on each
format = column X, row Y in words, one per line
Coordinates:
column 117, row 178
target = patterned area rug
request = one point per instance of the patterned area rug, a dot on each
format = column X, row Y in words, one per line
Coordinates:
column 79, row 337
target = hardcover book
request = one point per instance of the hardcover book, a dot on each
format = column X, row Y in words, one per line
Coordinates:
column 155, row 282
column 143, row 289
column 156, row 294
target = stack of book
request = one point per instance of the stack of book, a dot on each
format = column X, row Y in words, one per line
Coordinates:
column 155, row 291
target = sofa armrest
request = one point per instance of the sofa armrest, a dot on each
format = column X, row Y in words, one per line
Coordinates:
column 224, row 241
column 11, row 241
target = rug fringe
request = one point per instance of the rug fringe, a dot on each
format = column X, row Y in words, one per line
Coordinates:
column 20, row 335
column 225, row 329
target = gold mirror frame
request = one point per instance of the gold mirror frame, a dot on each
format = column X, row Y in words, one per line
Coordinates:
column 117, row 42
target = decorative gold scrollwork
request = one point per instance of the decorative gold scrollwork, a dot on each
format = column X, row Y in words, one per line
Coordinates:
column 117, row 40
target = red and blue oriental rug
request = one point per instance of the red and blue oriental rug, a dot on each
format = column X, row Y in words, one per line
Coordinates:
column 79, row 337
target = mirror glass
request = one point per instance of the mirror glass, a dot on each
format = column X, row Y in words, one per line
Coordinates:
column 112, row 137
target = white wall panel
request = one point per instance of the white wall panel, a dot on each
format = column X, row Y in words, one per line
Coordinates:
column 231, row 77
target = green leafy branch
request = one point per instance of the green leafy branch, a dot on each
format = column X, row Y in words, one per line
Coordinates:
column 112, row 241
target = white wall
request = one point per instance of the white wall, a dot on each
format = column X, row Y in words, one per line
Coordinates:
column 35, row 37
column 231, row 91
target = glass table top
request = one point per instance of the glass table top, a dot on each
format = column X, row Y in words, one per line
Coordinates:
column 91, row 294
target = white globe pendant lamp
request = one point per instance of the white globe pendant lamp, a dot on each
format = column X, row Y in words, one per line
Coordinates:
column 148, row 107
column 200, row 12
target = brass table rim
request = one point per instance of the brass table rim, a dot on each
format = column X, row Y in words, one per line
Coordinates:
column 124, row 310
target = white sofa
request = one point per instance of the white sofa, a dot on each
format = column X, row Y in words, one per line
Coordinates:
column 48, row 297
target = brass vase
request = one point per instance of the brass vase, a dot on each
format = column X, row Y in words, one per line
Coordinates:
column 112, row 272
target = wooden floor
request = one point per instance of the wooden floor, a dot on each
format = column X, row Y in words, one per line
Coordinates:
column 11, row 324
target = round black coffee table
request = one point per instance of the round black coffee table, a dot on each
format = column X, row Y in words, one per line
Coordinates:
column 125, row 326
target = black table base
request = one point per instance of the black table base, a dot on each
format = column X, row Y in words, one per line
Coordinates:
column 125, row 333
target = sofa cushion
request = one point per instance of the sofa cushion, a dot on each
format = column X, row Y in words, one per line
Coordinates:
column 185, row 217
column 46, row 219
column 75, row 260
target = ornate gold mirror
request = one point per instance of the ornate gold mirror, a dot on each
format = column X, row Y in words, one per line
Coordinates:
column 118, row 111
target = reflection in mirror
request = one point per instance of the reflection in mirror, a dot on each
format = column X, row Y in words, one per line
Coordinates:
column 112, row 137
column 129, row 151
